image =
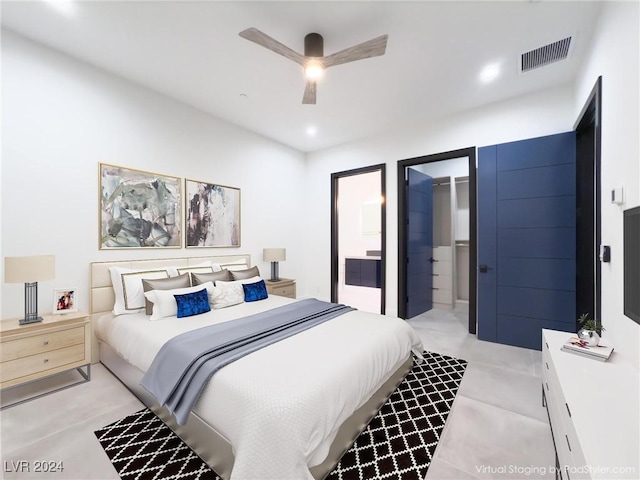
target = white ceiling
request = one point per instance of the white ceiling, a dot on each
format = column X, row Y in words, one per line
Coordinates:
column 191, row 51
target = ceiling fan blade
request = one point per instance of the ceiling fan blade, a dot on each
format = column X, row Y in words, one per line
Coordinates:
column 370, row 48
column 309, row 97
column 256, row 36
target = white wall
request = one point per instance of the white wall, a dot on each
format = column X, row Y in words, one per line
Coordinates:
column 61, row 117
column 543, row 113
column 615, row 56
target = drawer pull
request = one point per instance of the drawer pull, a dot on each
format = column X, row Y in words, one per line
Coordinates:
column 566, row 470
column 46, row 360
column 546, row 345
column 547, row 365
column 46, row 342
column 547, row 386
column 568, row 411
column 568, row 444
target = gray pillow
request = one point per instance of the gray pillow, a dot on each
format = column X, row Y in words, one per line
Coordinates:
column 243, row 274
column 200, row 278
column 181, row 281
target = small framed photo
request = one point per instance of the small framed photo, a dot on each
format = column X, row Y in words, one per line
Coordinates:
column 64, row 300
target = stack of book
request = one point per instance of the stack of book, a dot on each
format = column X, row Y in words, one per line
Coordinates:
column 580, row 347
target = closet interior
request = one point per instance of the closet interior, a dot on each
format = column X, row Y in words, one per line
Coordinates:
column 450, row 233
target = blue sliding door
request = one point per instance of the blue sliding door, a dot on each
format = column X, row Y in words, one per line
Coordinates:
column 419, row 242
column 527, row 239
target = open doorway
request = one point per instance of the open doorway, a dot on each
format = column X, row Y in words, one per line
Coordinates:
column 588, row 222
column 437, row 234
column 358, row 238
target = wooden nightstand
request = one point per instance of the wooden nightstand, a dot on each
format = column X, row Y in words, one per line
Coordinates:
column 286, row 287
column 37, row 350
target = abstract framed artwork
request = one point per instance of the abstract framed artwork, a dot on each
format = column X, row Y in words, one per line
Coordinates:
column 139, row 209
column 64, row 300
column 213, row 215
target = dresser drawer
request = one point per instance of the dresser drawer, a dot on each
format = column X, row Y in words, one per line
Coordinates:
column 442, row 267
column 45, row 342
column 285, row 291
column 443, row 295
column 41, row 362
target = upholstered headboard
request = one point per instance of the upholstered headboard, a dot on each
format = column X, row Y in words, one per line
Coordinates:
column 102, row 297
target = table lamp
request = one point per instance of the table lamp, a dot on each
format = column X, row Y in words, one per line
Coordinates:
column 274, row 255
column 29, row 270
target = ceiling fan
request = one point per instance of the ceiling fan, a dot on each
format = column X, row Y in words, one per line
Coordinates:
column 313, row 60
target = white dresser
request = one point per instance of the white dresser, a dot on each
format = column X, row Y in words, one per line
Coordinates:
column 594, row 410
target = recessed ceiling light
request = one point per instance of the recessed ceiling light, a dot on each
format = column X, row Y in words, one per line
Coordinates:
column 66, row 7
column 490, row 72
column 311, row 131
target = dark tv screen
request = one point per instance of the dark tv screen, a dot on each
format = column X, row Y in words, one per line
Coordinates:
column 632, row 264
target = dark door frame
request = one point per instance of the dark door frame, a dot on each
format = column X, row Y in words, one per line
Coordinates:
column 588, row 160
column 335, row 177
column 470, row 153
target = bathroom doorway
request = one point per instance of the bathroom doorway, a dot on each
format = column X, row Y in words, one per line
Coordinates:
column 437, row 234
column 358, row 238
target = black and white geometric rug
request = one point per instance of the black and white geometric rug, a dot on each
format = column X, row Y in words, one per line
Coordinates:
column 397, row 444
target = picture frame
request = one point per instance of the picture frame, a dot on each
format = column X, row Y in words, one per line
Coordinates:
column 138, row 209
column 64, row 301
column 213, row 215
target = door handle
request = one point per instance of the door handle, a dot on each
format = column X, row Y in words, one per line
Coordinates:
column 432, row 260
column 484, row 268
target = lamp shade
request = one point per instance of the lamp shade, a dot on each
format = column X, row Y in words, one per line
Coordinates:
column 274, row 254
column 29, row 269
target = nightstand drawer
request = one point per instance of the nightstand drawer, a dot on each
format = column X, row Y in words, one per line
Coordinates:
column 285, row 291
column 45, row 342
column 41, row 362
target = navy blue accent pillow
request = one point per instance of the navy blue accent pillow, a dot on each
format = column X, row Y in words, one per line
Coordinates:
column 254, row 291
column 193, row 303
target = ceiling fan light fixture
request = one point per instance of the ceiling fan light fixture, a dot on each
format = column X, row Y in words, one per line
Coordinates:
column 313, row 69
column 314, row 61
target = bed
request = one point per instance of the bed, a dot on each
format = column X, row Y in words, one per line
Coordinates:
column 289, row 410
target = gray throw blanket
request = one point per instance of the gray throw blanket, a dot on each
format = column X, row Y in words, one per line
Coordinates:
column 185, row 363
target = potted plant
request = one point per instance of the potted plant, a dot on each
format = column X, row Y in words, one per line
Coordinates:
column 590, row 330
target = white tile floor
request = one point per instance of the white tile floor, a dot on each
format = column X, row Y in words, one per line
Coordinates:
column 497, row 427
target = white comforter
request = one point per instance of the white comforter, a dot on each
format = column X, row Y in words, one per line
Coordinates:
column 280, row 407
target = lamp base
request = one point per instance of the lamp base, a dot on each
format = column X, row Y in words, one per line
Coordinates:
column 26, row 321
column 274, row 272
column 30, row 304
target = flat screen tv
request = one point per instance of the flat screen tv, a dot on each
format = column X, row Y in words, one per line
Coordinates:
column 632, row 264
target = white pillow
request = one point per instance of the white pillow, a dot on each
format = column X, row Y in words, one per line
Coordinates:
column 164, row 302
column 127, row 287
column 233, row 266
column 226, row 295
column 200, row 268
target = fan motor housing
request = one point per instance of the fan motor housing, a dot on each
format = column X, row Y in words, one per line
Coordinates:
column 313, row 45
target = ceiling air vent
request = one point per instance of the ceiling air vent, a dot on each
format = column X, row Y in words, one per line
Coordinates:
column 554, row 52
